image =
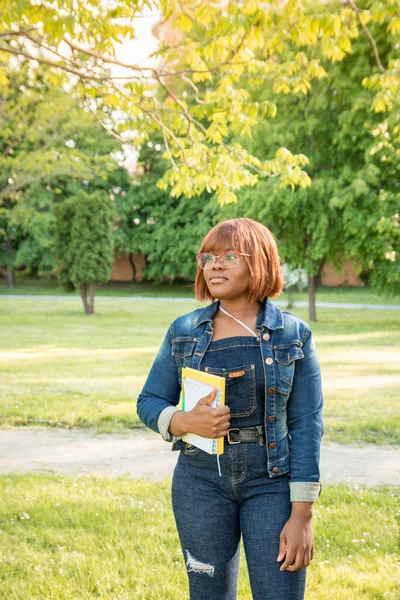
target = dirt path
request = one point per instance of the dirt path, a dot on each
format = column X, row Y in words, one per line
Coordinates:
column 144, row 454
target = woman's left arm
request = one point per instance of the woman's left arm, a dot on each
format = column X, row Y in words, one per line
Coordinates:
column 305, row 427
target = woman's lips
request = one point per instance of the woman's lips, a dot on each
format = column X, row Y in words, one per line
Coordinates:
column 218, row 279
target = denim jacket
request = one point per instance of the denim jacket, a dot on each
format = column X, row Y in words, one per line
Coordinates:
column 293, row 392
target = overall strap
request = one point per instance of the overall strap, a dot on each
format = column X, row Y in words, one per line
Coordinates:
column 240, row 322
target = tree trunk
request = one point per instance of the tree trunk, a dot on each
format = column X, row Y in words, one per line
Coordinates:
column 290, row 300
column 133, row 266
column 92, row 292
column 84, row 293
column 312, row 308
column 318, row 278
column 8, row 247
column 10, row 277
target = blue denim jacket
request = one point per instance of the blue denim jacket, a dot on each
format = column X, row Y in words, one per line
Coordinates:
column 293, row 391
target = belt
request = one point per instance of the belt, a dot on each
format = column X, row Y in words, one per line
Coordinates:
column 236, row 435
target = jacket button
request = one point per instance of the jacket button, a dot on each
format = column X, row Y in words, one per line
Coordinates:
column 275, row 469
column 266, row 336
column 271, row 391
column 270, row 418
column 269, row 361
column 272, row 445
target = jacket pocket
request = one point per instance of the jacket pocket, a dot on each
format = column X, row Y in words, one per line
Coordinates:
column 240, row 388
column 182, row 350
column 285, row 357
column 183, row 346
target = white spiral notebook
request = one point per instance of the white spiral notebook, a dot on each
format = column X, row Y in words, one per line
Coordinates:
column 195, row 385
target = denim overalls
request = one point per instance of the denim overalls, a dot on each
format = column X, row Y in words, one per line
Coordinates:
column 213, row 511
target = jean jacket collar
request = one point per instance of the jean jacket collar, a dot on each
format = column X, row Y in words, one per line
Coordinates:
column 268, row 315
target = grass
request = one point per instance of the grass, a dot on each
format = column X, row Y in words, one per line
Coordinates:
column 66, row 538
column 60, row 367
column 43, row 287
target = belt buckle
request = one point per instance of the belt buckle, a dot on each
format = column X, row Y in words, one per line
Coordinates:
column 228, row 436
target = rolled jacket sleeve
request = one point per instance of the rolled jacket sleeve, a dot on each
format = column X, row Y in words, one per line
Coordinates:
column 305, row 425
column 160, row 395
column 163, row 423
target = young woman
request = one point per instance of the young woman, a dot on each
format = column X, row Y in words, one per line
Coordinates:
column 272, row 422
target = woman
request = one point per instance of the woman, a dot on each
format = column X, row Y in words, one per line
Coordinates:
column 272, row 422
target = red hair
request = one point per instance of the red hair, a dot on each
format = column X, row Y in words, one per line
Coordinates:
column 264, row 263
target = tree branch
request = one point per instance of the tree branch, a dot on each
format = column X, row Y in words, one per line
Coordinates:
column 369, row 36
column 102, row 123
column 195, row 88
column 107, row 59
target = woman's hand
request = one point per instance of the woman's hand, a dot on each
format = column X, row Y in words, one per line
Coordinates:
column 296, row 541
column 202, row 419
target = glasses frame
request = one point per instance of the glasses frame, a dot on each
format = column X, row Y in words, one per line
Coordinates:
column 238, row 254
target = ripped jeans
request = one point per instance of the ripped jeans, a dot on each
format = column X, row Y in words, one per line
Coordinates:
column 213, row 512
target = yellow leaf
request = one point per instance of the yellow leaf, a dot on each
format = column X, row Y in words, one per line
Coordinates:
column 3, row 79
column 337, row 24
column 283, row 154
column 183, row 23
column 379, row 105
column 345, row 44
column 394, row 24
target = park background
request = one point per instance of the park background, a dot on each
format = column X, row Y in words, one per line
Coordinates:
column 304, row 138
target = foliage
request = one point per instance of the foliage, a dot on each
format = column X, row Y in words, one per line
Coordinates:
column 85, row 244
column 197, row 90
column 165, row 229
column 295, row 279
column 351, row 209
column 50, row 147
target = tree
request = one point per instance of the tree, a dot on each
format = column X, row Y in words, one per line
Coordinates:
column 197, row 91
column 49, row 146
column 164, row 229
column 202, row 90
column 351, row 208
column 85, row 244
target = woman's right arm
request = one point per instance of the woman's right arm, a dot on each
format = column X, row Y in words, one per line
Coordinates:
column 162, row 389
column 158, row 400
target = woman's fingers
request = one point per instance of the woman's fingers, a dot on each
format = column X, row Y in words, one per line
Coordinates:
column 289, row 559
column 299, row 563
column 224, row 419
column 302, row 559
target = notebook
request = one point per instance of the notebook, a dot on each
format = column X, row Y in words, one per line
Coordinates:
column 195, row 385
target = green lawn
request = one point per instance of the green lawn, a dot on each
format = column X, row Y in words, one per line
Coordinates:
column 65, row 538
column 44, row 287
column 59, row 367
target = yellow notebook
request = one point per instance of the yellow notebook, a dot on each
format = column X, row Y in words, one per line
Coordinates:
column 195, row 385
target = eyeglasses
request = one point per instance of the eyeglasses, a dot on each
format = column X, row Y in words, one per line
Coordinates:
column 230, row 259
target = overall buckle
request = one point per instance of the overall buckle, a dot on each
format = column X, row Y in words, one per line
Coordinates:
column 228, row 435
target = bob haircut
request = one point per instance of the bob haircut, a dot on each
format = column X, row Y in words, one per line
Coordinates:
column 251, row 237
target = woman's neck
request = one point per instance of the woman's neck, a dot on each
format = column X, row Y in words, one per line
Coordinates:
column 240, row 308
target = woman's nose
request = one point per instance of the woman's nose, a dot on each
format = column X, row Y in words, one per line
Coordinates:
column 218, row 263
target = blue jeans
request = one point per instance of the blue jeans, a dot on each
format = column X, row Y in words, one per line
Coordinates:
column 212, row 512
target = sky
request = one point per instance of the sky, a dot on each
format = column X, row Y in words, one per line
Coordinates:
column 134, row 51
